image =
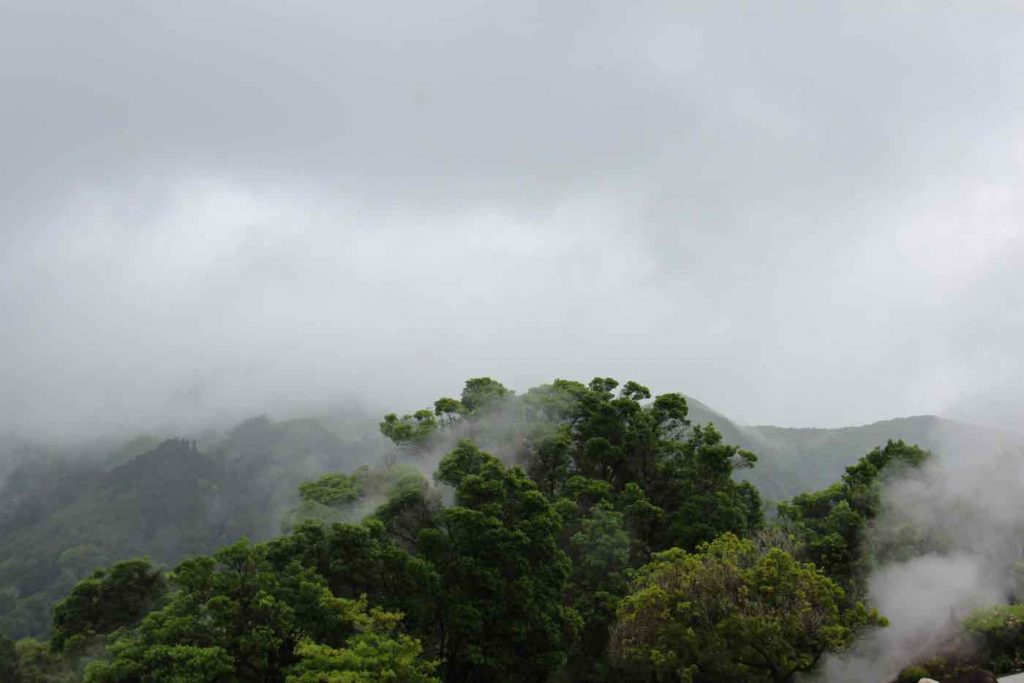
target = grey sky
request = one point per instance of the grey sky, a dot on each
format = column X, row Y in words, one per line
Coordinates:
column 801, row 213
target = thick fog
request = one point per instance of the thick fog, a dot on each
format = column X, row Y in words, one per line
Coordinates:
column 802, row 214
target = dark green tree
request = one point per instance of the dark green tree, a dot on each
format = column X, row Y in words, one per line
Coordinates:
column 502, row 574
column 363, row 560
column 696, row 490
column 8, row 660
column 481, row 394
column 600, row 551
column 110, row 599
column 831, row 525
column 232, row 617
column 673, row 481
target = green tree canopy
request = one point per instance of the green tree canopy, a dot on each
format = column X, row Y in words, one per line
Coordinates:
column 37, row 663
column 110, row 599
column 609, row 458
column 410, row 432
column 482, row 393
column 232, row 617
column 362, row 560
column 502, row 573
column 730, row 613
column 376, row 652
column 831, row 524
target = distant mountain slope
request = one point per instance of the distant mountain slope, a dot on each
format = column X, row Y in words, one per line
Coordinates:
column 62, row 517
column 792, row 460
column 773, row 474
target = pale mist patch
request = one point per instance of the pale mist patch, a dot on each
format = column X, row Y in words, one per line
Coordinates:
column 924, row 599
column 949, row 535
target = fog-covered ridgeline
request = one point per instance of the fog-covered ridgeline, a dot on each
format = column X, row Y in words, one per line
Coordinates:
column 944, row 537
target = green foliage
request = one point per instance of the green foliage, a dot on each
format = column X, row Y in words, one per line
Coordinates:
column 231, row 614
column 568, row 431
column 394, row 491
column 600, row 551
column 551, row 464
column 36, row 663
column 332, row 489
column 483, row 393
column 526, row 574
column 831, row 524
column 413, row 433
column 607, row 458
column 163, row 663
column 449, row 410
column 696, row 490
column 409, row 432
column 673, row 482
column 110, row 599
column 502, row 573
column 728, row 612
column 259, row 613
column 377, row 651
column 1000, row 630
column 362, row 560
column 8, row 659
column 62, row 518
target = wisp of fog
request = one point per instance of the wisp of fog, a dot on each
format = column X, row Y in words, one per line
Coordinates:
column 959, row 523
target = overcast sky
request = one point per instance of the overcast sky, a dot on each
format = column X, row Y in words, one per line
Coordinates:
column 801, row 213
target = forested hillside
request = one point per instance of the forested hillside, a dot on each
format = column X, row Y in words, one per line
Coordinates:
column 793, row 460
column 576, row 532
column 62, row 515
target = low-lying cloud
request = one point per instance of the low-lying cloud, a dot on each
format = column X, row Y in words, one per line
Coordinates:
column 805, row 216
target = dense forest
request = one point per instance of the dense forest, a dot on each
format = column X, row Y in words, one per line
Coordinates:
column 575, row 532
column 62, row 516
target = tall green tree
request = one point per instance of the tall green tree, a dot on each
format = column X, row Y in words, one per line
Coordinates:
column 831, row 525
column 600, row 552
column 730, row 613
column 502, row 574
column 362, row 559
column 696, row 490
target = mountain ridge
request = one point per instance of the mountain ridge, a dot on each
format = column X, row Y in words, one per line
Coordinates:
column 795, row 459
